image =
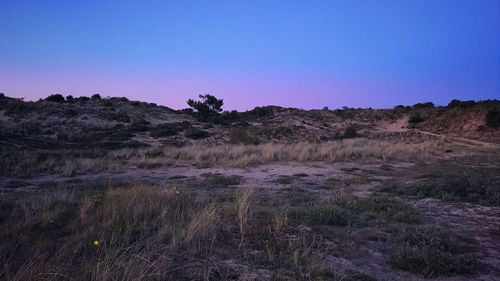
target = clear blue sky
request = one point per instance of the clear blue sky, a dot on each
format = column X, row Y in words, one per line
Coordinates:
column 305, row 54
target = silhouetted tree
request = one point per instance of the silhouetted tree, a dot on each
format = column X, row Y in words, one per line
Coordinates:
column 207, row 108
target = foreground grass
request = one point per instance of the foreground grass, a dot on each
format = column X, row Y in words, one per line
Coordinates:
column 158, row 233
column 69, row 162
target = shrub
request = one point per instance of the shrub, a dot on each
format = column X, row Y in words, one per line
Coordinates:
column 432, row 251
column 195, row 133
column 118, row 116
column 424, row 105
column 70, row 99
column 462, row 104
column 168, row 129
column 493, row 118
column 96, row 97
column 350, row 132
column 415, row 118
column 55, row 98
column 83, row 99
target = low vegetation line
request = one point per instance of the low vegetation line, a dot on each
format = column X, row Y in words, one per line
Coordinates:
column 69, row 162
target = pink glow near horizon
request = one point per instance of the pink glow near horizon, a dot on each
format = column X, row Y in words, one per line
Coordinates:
column 239, row 92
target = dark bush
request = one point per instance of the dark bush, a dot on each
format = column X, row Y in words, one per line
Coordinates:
column 70, row 99
column 462, row 104
column 194, row 133
column 424, row 105
column 83, row 99
column 454, row 103
column 70, row 113
column 415, row 118
column 108, row 103
column 264, row 111
column 350, row 132
column 55, row 98
column 96, row 97
column 493, row 118
column 168, row 129
column 140, row 125
column 118, row 116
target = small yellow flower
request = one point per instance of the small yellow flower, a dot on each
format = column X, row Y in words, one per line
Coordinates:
column 177, row 192
column 96, row 243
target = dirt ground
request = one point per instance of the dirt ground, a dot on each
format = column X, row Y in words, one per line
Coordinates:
column 359, row 179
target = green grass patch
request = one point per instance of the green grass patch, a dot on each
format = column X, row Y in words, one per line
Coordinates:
column 353, row 211
column 479, row 188
column 431, row 251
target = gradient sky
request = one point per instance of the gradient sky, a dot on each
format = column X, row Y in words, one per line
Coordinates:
column 306, row 54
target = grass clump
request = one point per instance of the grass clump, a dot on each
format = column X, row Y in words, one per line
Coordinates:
column 430, row 251
column 479, row 188
column 218, row 180
column 284, row 180
column 353, row 211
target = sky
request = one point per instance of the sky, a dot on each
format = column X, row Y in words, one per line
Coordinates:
column 305, row 54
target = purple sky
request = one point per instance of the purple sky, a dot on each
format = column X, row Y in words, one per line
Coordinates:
column 307, row 54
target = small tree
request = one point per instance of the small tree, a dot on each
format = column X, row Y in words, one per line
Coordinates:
column 208, row 107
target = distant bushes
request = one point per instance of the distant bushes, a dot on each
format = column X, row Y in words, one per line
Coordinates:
column 423, row 105
column 461, row 104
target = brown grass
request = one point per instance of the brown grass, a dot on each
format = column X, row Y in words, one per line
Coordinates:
column 82, row 161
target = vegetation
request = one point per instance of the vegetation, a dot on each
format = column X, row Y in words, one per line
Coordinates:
column 350, row 132
column 55, row 98
column 415, row 118
column 473, row 186
column 432, row 251
column 493, row 118
column 208, row 108
column 354, row 211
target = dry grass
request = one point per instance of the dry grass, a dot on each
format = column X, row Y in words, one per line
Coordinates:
column 161, row 233
column 141, row 233
column 70, row 162
column 244, row 201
